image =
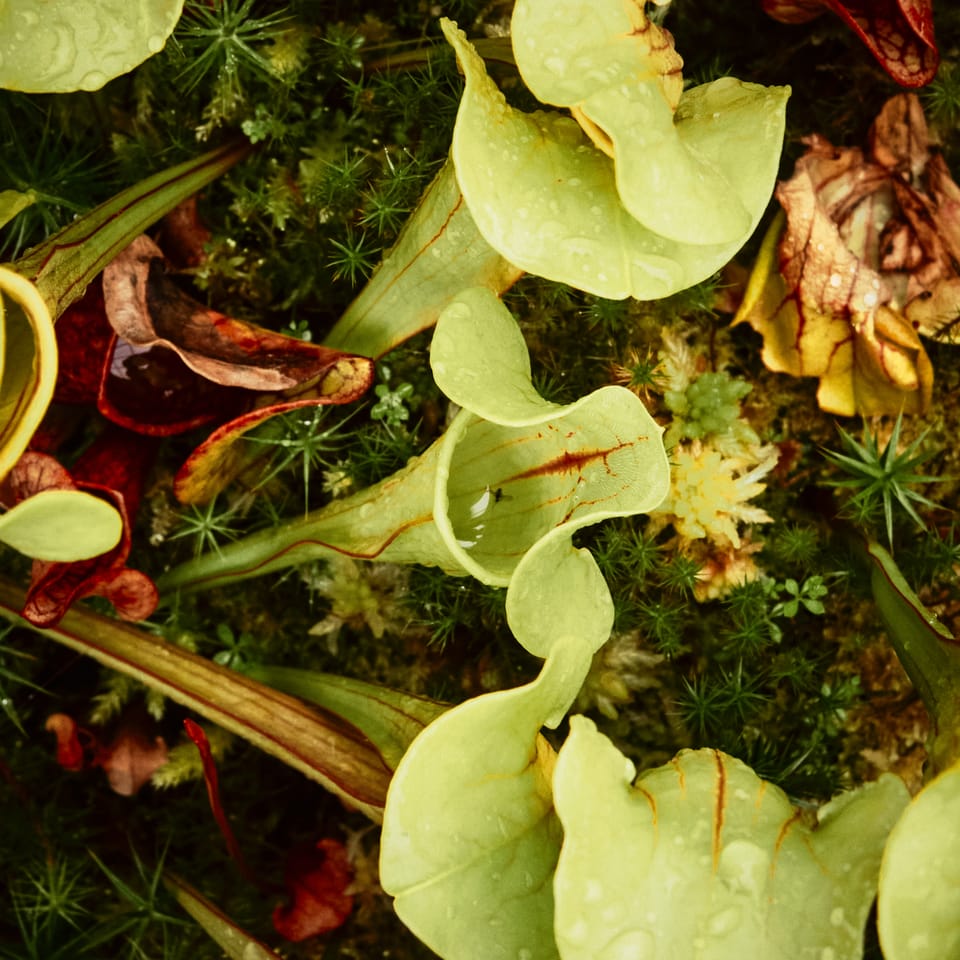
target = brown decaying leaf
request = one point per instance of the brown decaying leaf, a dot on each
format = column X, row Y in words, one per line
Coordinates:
column 128, row 760
column 183, row 236
column 146, row 308
column 238, row 372
column 899, row 33
column 867, row 260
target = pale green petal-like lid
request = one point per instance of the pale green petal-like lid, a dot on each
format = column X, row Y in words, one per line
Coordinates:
column 61, row 525
column 516, row 471
column 55, row 46
column 697, row 168
column 567, row 50
column 470, row 839
column 545, row 198
column 700, row 858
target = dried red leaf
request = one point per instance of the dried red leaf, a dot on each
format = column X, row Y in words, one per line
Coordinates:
column 146, row 389
column 317, row 879
column 131, row 758
column 899, row 33
column 150, row 390
column 70, row 752
column 174, row 364
column 83, row 343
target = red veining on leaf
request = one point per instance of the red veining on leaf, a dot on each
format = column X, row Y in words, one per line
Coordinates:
column 899, row 33
column 569, row 462
column 719, row 807
column 788, row 825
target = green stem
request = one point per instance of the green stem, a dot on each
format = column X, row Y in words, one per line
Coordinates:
column 63, row 265
column 364, row 526
column 318, row 744
column 926, row 648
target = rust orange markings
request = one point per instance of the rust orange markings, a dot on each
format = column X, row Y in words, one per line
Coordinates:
column 720, row 802
column 569, row 462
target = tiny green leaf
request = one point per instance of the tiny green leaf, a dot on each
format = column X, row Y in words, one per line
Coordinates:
column 56, row 46
column 61, row 525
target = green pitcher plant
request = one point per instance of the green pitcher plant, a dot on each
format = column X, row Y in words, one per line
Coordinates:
column 648, row 189
column 496, row 845
column 55, row 524
column 512, row 478
column 643, row 190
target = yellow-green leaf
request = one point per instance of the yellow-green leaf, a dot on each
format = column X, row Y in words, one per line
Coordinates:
column 547, row 199
column 55, row 46
column 702, row 858
column 61, row 525
column 28, row 365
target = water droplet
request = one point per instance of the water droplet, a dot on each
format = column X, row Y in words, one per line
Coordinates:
column 30, row 18
column 918, row 943
column 870, row 299
column 524, row 954
column 835, row 280
column 743, row 868
column 155, row 43
column 724, row 922
column 837, row 917
column 93, row 80
column 632, row 945
column 593, row 892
